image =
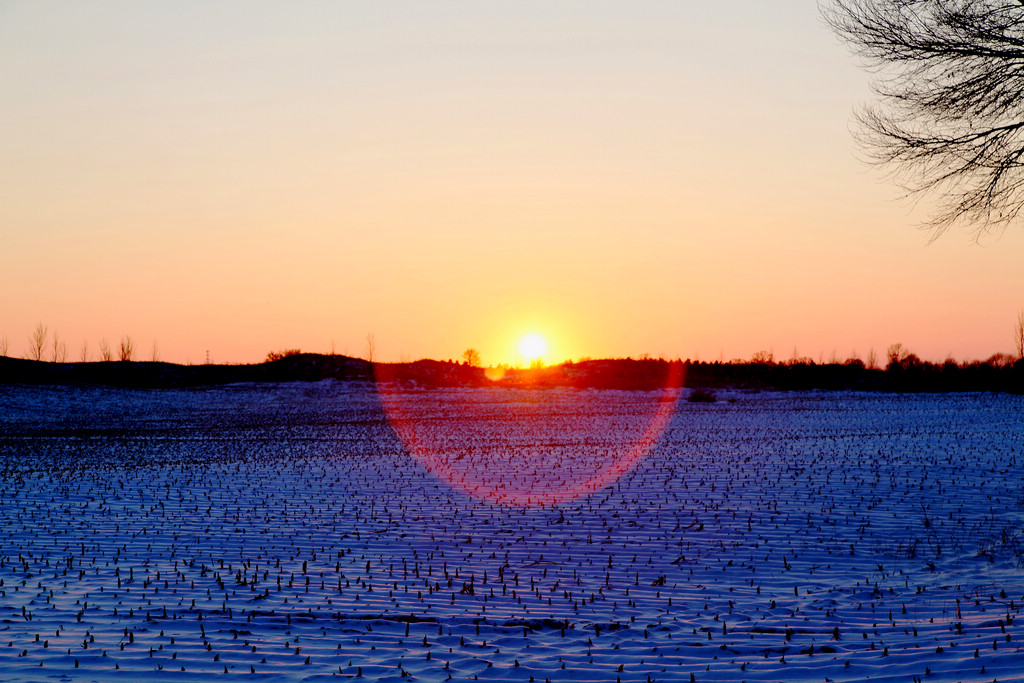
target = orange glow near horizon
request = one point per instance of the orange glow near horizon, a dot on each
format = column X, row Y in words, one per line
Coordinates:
column 532, row 348
column 324, row 172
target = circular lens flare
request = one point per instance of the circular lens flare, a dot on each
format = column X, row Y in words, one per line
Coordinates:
column 527, row 446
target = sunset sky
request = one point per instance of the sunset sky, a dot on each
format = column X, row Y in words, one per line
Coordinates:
column 620, row 178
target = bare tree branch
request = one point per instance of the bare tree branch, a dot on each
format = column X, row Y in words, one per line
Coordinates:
column 60, row 349
column 37, row 342
column 371, row 347
column 471, row 357
column 950, row 75
column 127, row 349
column 1018, row 332
column 105, row 353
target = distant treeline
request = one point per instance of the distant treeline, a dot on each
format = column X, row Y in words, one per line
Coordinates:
column 908, row 374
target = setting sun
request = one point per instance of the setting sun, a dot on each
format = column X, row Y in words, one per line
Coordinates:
column 532, row 347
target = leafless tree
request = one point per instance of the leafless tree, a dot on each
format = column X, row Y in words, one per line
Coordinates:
column 37, row 342
column 1018, row 335
column 84, row 356
column 60, row 349
column 127, row 349
column 105, row 353
column 371, row 347
column 872, row 361
column 3, row 345
column 156, row 353
column 472, row 357
column 896, row 353
column 950, row 74
column 1000, row 360
column 278, row 355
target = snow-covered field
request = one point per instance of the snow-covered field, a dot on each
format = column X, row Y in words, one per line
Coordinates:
column 286, row 532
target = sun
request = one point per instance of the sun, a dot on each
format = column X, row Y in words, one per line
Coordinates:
column 532, row 347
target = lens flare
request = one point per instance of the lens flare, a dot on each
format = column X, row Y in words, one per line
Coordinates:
column 528, row 446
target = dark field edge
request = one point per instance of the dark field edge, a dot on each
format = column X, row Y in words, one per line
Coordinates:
column 625, row 374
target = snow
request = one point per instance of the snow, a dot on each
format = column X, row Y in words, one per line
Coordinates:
column 295, row 532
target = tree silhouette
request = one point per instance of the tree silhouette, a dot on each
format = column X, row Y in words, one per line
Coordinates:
column 895, row 353
column 472, row 357
column 371, row 347
column 60, row 349
column 951, row 76
column 105, row 353
column 37, row 342
column 1018, row 336
column 278, row 355
column 127, row 349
